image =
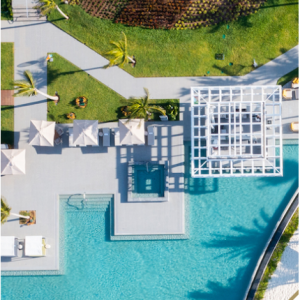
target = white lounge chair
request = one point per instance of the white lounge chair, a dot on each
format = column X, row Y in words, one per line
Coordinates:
column 106, row 137
column 150, row 136
column 117, row 137
column 71, row 144
column 9, row 246
column 35, row 246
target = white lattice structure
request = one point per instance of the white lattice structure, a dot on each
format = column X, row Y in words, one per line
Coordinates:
column 236, row 131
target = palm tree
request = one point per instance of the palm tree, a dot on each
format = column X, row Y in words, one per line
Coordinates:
column 119, row 53
column 5, row 212
column 27, row 87
column 139, row 108
column 45, row 6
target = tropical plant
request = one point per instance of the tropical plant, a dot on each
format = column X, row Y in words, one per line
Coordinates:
column 27, row 87
column 5, row 212
column 119, row 55
column 140, row 108
column 172, row 111
column 45, row 6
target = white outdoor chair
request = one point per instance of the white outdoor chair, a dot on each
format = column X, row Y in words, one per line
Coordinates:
column 151, row 137
column 117, row 137
column 58, row 141
column 59, row 130
column 106, row 137
column 71, row 144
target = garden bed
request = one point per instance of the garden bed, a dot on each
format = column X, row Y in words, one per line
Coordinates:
column 104, row 104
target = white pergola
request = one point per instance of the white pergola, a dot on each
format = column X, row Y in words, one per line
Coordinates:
column 236, row 131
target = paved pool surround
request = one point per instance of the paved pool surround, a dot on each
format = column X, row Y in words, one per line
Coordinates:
column 61, row 170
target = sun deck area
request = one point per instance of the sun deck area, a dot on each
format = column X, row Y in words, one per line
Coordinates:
column 61, row 170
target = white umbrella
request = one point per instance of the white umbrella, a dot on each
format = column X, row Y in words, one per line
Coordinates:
column 132, row 132
column 12, row 161
column 41, row 133
column 85, row 132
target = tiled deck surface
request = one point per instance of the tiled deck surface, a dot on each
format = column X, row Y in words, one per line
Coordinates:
column 51, row 171
column 7, row 97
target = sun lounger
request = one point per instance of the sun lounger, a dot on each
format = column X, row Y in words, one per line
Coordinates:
column 297, row 94
column 117, row 137
column 35, row 246
column 150, row 136
column 106, row 137
column 71, row 144
column 9, row 246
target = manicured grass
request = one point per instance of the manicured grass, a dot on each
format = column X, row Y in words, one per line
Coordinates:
column 262, row 36
column 7, row 125
column 6, row 10
column 288, row 77
column 276, row 257
column 71, row 82
column 7, row 66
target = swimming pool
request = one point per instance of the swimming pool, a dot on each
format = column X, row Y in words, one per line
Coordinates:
column 230, row 221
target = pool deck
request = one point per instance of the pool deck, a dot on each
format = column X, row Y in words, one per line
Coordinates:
column 53, row 171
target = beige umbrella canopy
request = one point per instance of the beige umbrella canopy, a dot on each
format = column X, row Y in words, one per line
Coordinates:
column 85, row 133
column 132, row 132
column 12, row 161
column 41, row 133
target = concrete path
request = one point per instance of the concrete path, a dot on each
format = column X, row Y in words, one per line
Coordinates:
column 285, row 280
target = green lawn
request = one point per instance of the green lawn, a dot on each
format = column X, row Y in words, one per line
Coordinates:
column 288, row 77
column 276, row 257
column 7, row 125
column 7, row 66
column 262, row 36
column 71, row 82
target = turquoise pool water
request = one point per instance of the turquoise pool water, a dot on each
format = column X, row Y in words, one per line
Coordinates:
column 148, row 181
column 230, row 220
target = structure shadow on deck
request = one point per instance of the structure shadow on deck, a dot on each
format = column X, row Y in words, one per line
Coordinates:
column 167, row 147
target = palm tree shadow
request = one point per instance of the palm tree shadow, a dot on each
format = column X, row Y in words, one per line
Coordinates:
column 246, row 244
column 218, row 290
column 230, row 70
column 244, row 21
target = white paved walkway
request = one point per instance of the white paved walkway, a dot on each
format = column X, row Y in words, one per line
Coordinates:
column 284, row 283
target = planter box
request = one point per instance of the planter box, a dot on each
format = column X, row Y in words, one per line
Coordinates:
column 163, row 118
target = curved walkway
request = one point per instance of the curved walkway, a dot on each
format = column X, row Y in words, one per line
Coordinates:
column 284, row 281
column 262, row 264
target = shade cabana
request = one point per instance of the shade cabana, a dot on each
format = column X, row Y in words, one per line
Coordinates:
column 12, row 161
column 132, row 132
column 85, row 133
column 41, row 133
column 8, row 246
